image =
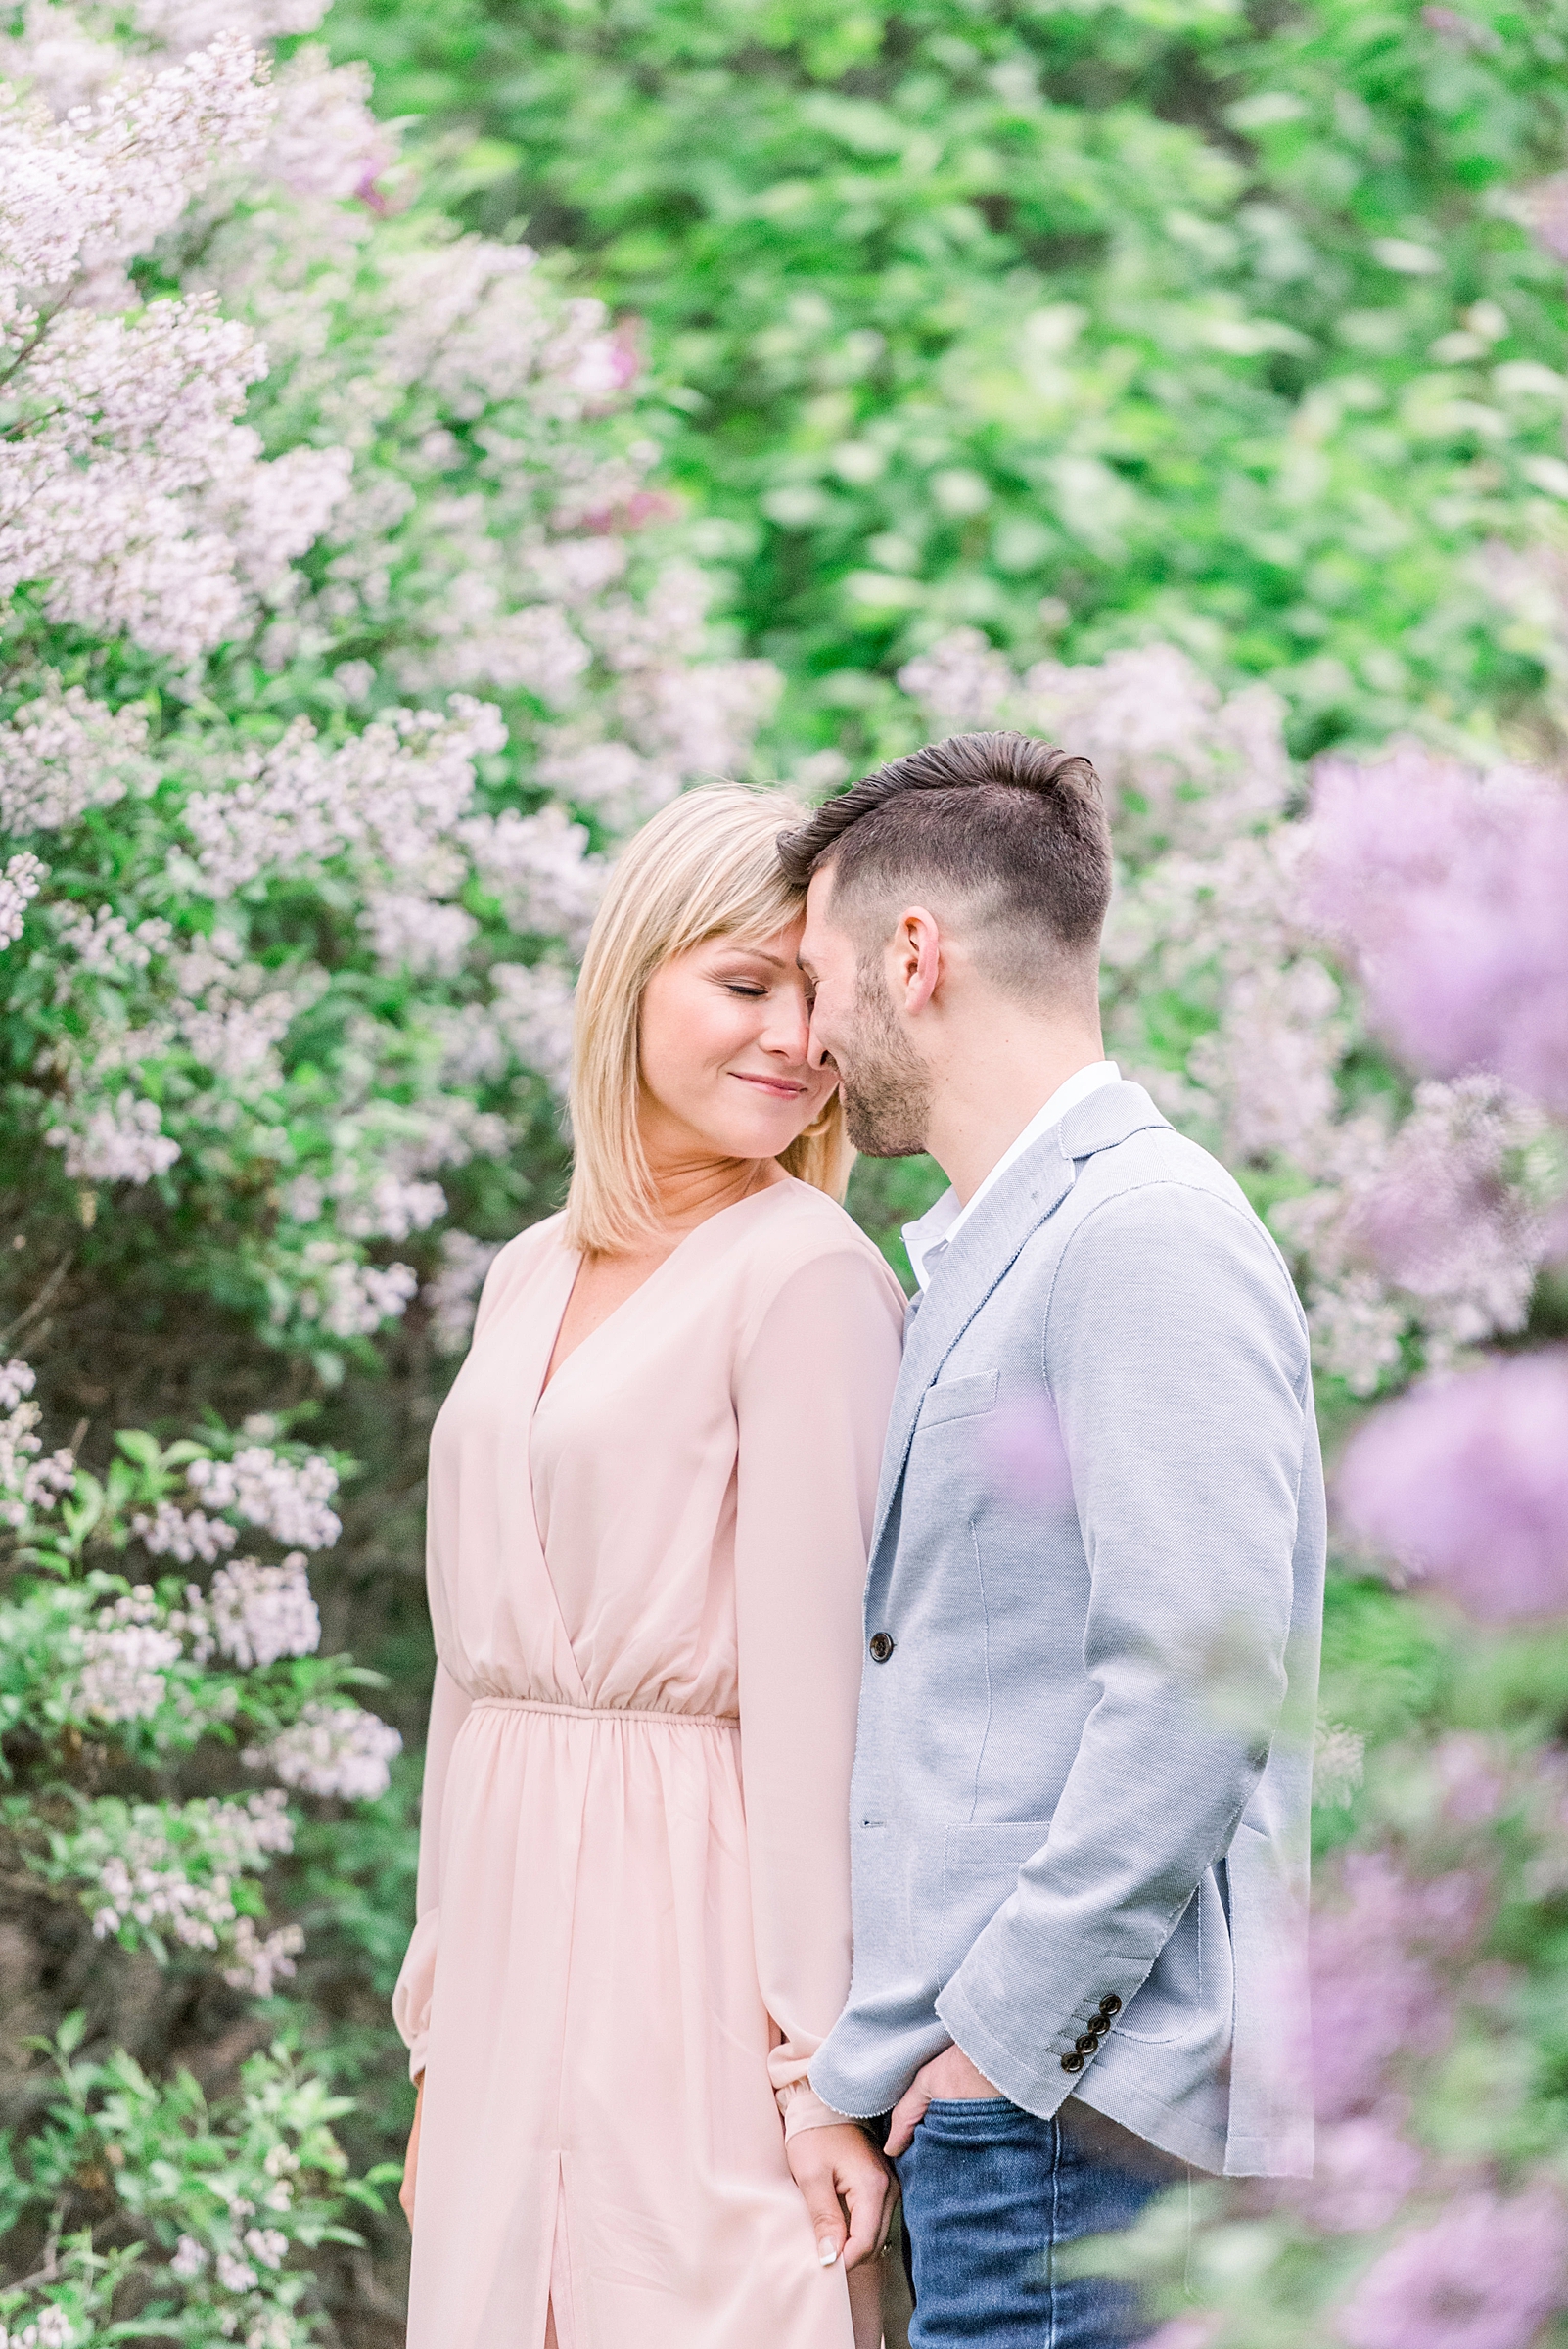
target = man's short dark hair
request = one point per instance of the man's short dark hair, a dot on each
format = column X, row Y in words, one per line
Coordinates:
column 1012, row 825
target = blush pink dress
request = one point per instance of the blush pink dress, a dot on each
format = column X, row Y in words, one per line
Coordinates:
column 633, row 1887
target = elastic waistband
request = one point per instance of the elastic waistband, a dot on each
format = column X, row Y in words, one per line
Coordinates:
column 669, row 1721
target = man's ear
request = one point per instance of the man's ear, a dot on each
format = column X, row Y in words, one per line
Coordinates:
column 916, row 959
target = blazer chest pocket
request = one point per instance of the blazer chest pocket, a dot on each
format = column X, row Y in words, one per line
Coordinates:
column 958, row 1398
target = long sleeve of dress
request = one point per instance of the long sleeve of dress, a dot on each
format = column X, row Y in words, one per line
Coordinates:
column 812, row 1394
column 412, row 1997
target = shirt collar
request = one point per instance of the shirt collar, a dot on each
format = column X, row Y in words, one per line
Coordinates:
column 934, row 1232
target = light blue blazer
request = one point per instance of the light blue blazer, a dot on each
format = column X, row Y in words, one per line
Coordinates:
column 1084, row 1774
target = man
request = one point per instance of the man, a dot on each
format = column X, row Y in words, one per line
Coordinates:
column 1094, row 1608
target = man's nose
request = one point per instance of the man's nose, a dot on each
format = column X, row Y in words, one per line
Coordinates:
column 816, row 1052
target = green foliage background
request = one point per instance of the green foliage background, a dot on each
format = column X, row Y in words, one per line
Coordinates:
column 1081, row 322
column 1085, row 324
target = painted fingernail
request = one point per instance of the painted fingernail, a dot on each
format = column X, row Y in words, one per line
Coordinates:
column 827, row 2251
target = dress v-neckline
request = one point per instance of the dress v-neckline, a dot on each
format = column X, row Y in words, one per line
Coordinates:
column 546, row 1379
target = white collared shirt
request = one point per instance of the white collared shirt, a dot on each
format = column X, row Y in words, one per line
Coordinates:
column 945, row 1221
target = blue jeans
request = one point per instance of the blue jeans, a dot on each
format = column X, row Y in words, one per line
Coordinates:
column 990, row 2194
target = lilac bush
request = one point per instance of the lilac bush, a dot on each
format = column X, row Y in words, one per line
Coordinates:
column 340, row 638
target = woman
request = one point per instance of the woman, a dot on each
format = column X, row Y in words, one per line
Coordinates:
column 650, row 1495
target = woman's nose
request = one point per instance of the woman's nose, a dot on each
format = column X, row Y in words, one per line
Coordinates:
column 788, row 1031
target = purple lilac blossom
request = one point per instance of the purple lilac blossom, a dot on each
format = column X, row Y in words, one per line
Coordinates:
column 1445, row 890
column 1364, row 2173
column 1376, row 1994
column 1465, row 1482
column 1026, row 1455
column 1487, row 2274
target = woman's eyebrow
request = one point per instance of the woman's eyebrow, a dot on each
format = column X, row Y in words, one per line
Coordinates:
column 775, row 962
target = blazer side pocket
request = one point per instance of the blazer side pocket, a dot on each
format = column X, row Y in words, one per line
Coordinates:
column 980, row 1869
column 959, row 1399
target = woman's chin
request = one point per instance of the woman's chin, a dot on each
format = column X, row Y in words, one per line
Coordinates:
column 759, row 1137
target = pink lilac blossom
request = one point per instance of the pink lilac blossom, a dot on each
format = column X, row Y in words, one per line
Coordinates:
column 1472, row 1779
column 106, row 181
column 1447, row 889
column 1485, row 2274
column 1463, row 1482
column 126, row 446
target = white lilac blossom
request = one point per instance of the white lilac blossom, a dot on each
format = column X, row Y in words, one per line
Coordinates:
column 170, row 1870
column 259, row 1613
column 478, row 531
column 63, row 754
column 185, row 1535
column 286, row 1501
column 28, row 1485
column 261, row 1961
column 125, row 1656
column 453, row 1297
column 331, row 1750
column 20, row 879
column 51, row 2329
column 119, row 1141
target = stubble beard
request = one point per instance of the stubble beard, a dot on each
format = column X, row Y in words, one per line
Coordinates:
column 887, row 1088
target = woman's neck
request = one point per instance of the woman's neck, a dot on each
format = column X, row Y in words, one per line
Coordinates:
column 688, row 1190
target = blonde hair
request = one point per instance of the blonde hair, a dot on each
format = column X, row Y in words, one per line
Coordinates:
column 707, row 866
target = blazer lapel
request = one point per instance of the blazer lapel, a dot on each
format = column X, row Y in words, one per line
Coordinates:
column 1027, row 1193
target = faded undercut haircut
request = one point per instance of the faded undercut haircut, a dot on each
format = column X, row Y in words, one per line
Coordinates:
column 1010, row 827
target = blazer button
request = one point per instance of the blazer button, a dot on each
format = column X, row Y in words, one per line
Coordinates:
column 880, row 1647
column 1072, row 2062
column 1110, row 2004
column 1087, row 2044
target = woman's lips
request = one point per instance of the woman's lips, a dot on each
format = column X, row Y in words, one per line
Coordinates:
column 781, row 1089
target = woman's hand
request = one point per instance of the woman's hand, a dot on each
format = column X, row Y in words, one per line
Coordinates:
column 849, row 2189
column 406, row 2192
